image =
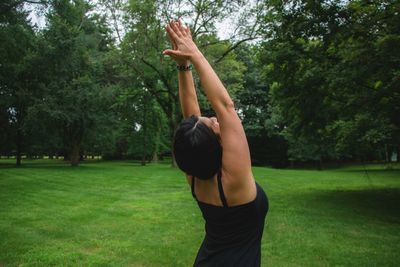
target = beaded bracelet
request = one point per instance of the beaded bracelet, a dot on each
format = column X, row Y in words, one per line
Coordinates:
column 184, row 67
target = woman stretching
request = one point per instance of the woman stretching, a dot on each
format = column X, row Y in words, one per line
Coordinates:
column 214, row 154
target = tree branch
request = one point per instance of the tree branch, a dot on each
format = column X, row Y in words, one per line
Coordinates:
column 231, row 48
column 213, row 43
column 164, row 105
column 162, row 77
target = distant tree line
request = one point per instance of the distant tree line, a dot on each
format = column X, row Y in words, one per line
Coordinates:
column 313, row 81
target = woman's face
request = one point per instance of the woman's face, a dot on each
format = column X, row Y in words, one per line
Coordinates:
column 212, row 123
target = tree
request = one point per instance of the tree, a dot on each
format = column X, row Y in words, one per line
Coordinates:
column 72, row 47
column 331, row 77
column 145, row 39
column 17, row 76
column 261, row 123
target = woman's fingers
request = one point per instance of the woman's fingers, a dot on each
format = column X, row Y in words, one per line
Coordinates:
column 185, row 30
column 177, row 30
column 188, row 32
column 182, row 47
column 175, row 27
column 174, row 46
column 172, row 53
column 181, row 27
column 172, row 33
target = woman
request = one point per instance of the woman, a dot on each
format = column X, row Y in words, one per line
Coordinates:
column 214, row 154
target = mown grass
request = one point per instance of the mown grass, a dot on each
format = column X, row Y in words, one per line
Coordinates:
column 123, row 214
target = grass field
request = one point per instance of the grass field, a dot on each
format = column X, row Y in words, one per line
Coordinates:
column 123, row 214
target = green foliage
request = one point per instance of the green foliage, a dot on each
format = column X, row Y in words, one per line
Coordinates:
column 150, row 80
column 332, row 71
column 230, row 70
column 72, row 98
column 262, row 125
column 153, row 73
column 18, row 78
column 321, row 85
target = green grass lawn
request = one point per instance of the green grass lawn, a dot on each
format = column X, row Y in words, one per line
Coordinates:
column 123, row 214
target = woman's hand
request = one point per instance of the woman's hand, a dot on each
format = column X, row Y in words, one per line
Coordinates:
column 183, row 47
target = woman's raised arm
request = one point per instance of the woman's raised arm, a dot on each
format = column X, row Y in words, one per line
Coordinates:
column 187, row 91
column 236, row 156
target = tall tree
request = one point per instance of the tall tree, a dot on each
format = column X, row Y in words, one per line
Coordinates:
column 145, row 39
column 17, row 75
column 73, row 44
column 332, row 76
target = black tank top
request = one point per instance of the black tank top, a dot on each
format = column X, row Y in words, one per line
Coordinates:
column 233, row 234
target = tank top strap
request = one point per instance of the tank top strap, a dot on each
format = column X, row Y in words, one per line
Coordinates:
column 192, row 186
column 221, row 190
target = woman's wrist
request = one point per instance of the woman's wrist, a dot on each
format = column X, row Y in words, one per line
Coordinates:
column 188, row 67
column 183, row 62
column 196, row 57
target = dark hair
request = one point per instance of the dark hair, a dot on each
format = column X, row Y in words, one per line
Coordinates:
column 197, row 149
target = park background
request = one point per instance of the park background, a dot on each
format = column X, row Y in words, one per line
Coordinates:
column 88, row 107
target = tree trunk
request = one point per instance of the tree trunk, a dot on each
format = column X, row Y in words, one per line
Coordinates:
column 173, row 125
column 387, row 154
column 157, row 141
column 75, row 156
column 398, row 153
column 143, row 162
column 19, row 146
column 319, row 164
column 66, row 155
column 144, row 152
column 155, row 157
column 173, row 163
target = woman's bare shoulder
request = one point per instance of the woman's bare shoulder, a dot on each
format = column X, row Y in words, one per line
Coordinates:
column 238, row 190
